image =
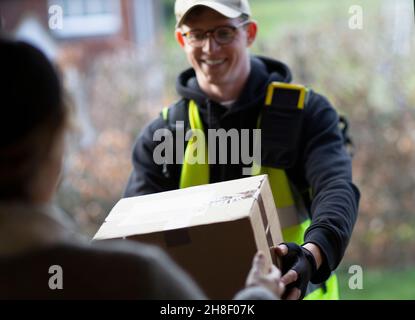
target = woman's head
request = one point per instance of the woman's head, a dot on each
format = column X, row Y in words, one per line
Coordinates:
column 33, row 118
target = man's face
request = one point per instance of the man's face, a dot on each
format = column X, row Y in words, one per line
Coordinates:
column 213, row 63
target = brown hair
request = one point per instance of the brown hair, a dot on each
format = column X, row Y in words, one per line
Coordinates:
column 32, row 96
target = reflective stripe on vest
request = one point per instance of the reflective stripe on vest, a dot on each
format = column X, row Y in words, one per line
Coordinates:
column 165, row 113
column 293, row 217
column 195, row 174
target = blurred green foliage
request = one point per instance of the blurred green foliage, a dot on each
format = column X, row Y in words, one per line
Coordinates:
column 393, row 284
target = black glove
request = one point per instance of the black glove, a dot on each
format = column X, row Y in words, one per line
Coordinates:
column 303, row 262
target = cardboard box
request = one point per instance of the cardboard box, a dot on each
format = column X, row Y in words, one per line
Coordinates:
column 211, row 231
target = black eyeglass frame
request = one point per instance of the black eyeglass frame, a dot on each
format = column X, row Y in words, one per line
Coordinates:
column 207, row 34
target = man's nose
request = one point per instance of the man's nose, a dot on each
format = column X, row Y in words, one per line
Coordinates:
column 210, row 44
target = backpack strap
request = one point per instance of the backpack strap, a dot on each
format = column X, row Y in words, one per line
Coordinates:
column 281, row 122
column 281, row 94
column 280, row 151
column 176, row 112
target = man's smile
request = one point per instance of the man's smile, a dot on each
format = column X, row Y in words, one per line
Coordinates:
column 213, row 62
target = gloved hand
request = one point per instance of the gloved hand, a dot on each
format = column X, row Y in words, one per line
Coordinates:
column 298, row 267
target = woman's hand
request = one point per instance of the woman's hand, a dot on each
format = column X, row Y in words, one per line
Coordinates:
column 260, row 275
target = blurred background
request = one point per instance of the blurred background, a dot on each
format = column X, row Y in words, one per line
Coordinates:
column 119, row 61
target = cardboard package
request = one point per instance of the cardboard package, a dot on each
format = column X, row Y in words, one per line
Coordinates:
column 211, row 231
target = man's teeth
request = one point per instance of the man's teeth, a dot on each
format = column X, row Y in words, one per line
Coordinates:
column 214, row 62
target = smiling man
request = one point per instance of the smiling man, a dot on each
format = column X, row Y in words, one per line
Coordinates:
column 216, row 47
column 302, row 148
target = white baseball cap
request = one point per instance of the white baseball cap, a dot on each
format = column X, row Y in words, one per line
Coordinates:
column 229, row 8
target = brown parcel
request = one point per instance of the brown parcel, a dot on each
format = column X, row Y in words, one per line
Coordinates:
column 212, row 231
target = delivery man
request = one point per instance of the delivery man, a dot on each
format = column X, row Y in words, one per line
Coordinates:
column 301, row 146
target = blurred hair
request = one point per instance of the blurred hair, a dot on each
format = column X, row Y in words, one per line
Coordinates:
column 33, row 113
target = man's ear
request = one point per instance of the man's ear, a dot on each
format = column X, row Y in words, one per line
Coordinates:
column 251, row 31
column 179, row 38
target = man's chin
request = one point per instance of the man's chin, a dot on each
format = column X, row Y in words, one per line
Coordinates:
column 215, row 78
column 214, row 71
column 216, row 82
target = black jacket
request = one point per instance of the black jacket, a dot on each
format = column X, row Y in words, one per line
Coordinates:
column 320, row 159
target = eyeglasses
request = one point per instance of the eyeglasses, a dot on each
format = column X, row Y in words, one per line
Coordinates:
column 222, row 35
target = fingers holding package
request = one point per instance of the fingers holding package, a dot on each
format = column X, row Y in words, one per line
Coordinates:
column 261, row 274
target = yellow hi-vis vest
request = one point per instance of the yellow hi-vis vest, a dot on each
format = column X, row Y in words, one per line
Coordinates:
column 294, row 219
